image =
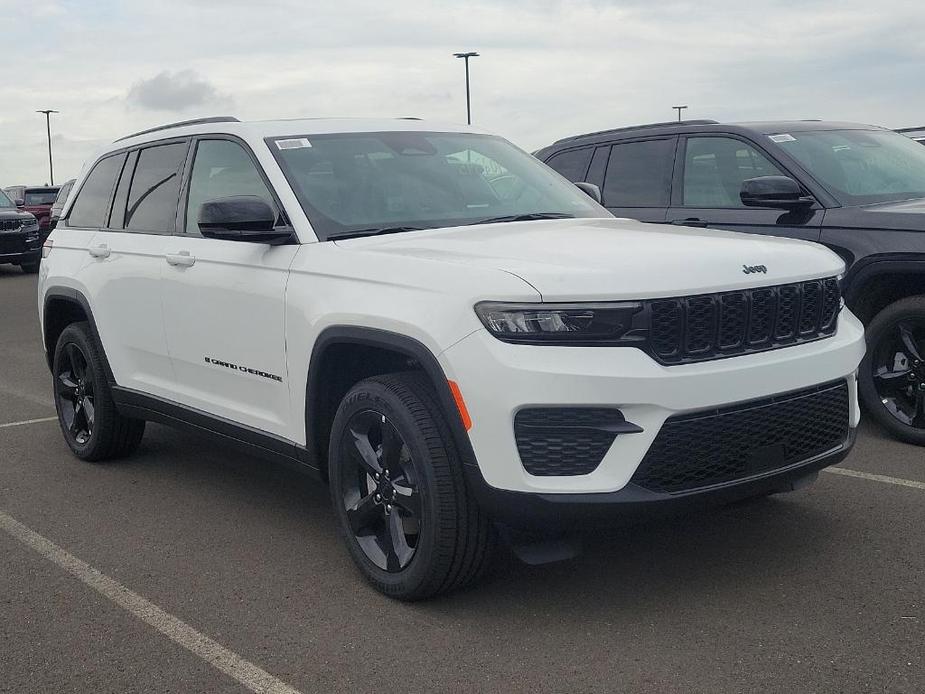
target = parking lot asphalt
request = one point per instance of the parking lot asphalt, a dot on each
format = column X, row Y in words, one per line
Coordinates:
column 822, row 590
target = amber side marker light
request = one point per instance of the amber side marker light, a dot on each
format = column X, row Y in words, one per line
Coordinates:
column 460, row 405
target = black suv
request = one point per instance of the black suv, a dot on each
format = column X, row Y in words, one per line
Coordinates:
column 20, row 242
column 858, row 189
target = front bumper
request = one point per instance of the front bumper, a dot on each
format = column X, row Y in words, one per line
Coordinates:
column 498, row 379
column 16, row 247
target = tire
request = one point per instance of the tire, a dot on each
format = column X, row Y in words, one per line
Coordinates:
column 96, row 432
column 884, row 368
column 451, row 540
column 30, row 268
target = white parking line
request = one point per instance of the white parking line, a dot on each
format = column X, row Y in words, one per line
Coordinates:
column 176, row 630
column 28, row 421
column 876, row 478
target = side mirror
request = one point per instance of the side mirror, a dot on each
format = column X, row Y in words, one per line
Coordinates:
column 241, row 218
column 591, row 190
column 780, row 192
column 19, row 202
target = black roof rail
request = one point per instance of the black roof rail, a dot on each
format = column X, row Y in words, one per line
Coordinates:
column 630, row 128
column 910, row 130
column 180, row 124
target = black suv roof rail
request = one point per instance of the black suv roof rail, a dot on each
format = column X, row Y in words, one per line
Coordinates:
column 179, row 124
column 664, row 124
column 910, row 130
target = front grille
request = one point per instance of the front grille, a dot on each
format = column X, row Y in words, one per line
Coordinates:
column 10, row 224
column 712, row 326
column 565, row 440
column 704, row 449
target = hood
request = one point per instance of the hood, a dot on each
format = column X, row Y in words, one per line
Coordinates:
column 599, row 259
column 15, row 213
column 905, row 215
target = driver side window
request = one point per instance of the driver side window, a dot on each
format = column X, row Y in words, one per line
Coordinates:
column 222, row 168
column 714, row 168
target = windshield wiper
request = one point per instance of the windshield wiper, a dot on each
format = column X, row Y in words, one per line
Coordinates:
column 526, row 217
column 375, row 231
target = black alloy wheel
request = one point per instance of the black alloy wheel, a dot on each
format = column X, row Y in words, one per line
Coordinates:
column 891, row 379
column 401, row 503
column 379, row 490
column 899, row 372
column 74, row 391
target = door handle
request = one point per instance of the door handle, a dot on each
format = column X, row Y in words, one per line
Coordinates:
column 101, row 251
column 181, row 259
column 690, row 222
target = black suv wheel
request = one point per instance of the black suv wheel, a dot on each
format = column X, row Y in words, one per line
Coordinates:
column 892, row 375
column 398, row 492
column 92, row 426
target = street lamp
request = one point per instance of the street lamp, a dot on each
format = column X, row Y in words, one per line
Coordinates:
column 51, row 168
column 679, row 109
column 466, row 56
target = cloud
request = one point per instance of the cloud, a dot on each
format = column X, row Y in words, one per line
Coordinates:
column 175, row 91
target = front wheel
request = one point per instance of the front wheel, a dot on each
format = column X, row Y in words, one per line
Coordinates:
column 892, row 376
column 396, row 483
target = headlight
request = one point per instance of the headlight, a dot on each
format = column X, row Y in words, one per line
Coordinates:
column 563, row 324
column 30, row 224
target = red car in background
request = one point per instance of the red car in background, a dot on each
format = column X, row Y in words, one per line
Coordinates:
column 35, row 199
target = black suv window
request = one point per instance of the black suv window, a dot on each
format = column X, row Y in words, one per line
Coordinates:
column 639, row 174
column 91, row 207
column 155, row 191
column 714, row 168
column 222, row 168
column 573, row 164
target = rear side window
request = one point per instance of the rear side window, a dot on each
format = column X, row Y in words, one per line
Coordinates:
column 155, row 189
column 92, row 204
column 573, row 164
column 639, row 174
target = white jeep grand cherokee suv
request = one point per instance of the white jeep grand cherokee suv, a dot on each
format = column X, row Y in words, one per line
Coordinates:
column 448, row 332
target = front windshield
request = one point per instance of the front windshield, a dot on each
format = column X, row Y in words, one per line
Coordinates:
column 5, row 201
column 860, row 167
column 362, row 182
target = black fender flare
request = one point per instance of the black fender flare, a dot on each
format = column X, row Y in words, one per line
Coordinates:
column 863, row 271
column 75, row 297
column 395, row 342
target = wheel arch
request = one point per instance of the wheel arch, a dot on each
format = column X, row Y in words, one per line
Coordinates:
column 880, row 282
column 62, row 306
column 365, row 352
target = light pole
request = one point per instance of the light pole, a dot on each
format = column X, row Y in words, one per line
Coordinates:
column 679, row 109
column 466, row 56
column 51, row 167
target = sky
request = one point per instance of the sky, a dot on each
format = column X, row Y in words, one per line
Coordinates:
column 547, row 69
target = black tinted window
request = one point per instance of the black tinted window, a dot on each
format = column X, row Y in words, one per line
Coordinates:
column 117, row 218
column 714, row 168
column 573, row 165
column 152, row 199
column 639, row 174
column 92, row 203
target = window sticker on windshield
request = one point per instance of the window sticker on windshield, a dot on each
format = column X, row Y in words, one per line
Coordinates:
column 783, row 137
column 294, row 143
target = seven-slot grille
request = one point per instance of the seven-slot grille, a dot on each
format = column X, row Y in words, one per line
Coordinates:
column 708, row 448
column 11, row 224
column 712, row 326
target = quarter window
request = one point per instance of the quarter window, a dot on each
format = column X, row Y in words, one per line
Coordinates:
column 222, row 169
column 714, row 168
column 639, row 174
column 92, row 204
column 155, row 190
column 573, row 165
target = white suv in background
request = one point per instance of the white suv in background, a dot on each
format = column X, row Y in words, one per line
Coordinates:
column 444, row 329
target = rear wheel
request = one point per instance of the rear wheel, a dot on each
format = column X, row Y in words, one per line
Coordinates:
column 396, row 483
column 892, row 375
column 92, row 426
